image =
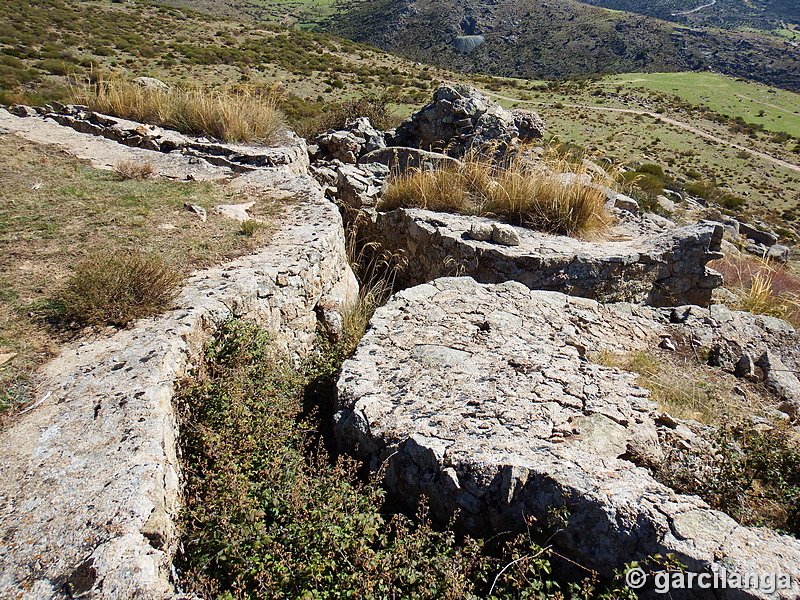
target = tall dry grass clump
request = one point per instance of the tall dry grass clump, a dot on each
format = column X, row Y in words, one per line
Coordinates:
column 115, row 289
column 225, row 116
column 549, row 197
column 762, row 287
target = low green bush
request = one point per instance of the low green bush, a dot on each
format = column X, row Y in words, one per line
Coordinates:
column 756, row 476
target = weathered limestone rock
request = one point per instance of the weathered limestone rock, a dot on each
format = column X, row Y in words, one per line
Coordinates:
column 90, row 486
column 504, row 234
column 401, row 159
column 360, row 186
column 357, row 138
column 483, row 399
column 779, row 253
column 666, row 269
column 758, row 235
column 529, row 124
column 151, row 83
column 291, row 155
column 782, row 381
column 458, row 119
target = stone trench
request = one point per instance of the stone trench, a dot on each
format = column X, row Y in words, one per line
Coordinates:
column 477, row 391
column 91, row 481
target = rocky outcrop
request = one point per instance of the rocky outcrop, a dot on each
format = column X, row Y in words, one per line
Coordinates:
column 91, row 485
column 484, row 399
column 356, row 139
column 457, row 120
column 529, row 124
column 291, row 156
column 400, row 159
column 663, row 270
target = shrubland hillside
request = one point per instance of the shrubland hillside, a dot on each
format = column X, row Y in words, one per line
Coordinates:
column 533, row 38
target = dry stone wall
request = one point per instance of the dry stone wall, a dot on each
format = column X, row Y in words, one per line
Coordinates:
column 484, row 399
column 663, row 270
column 291, row 157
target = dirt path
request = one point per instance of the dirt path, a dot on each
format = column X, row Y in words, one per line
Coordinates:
column 669, row 120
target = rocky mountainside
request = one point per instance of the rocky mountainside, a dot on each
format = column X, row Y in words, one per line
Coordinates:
column 539, row 39
column 764, row 14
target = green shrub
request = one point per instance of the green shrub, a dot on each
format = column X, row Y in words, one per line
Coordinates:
column 56, row 66
column 250, row 227
column 115, row 288
column 647, row 182
column 376, row 107
column 655, row 170
column 756, row 476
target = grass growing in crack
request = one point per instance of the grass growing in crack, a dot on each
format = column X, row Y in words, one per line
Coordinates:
column 542, row 197
column 226, row 116
column 268, row 517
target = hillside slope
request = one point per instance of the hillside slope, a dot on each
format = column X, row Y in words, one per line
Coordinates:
column 761, row 14
column 535, row 38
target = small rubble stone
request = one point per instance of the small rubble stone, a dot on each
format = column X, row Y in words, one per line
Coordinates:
column 504, row 234
column 779, row 253
column 198, row 210
column 21, row 110
column 626, row 203
column 481, row 231
column 529, row 124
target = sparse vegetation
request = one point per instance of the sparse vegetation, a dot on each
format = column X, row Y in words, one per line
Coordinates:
column 129, row 169
column 229, row 117
column 680, row 386
column 115, row 289
column 540, row 197
column 250, row 227
column 752, row 475
column 59, row 210
column 762, row 287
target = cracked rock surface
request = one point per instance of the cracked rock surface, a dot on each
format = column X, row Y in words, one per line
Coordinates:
column 482, row 398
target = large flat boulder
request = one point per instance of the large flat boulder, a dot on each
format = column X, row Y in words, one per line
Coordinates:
column 483, row 398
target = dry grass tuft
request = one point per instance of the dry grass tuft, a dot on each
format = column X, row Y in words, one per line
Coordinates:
column 546, row 197
column 682, row 389
column 115, row 289
column 225, row 116
column 762, row 287
column 129, row 169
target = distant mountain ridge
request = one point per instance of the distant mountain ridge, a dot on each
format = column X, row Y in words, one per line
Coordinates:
column 547, row 39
